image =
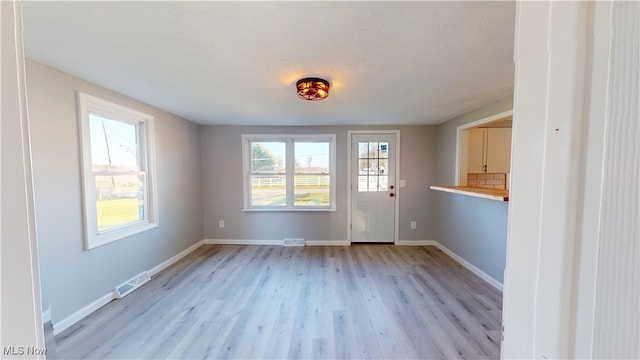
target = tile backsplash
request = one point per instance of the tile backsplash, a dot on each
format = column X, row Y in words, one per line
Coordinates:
column 487, row 180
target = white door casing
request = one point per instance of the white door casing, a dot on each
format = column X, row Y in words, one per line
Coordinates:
column 21, row 308
column 373, row 188
column 551, row 57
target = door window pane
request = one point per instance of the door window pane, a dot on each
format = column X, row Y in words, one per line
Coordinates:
column 384, row 150
column 363, row 166
column 373, row 183
column 383, row 166
column 373, row 166
column 383, row 183
column 373, row 150
column 362, row 183
column 363, row 150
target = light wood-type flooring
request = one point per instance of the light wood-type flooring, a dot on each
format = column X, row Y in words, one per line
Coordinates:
column 272, row 302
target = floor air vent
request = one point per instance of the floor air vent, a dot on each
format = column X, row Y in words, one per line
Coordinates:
column 122, row 290
column 293, row 242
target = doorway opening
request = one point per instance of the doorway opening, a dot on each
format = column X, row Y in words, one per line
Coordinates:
column 483, row 151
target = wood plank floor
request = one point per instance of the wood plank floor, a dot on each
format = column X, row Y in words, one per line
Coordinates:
column 257, row 302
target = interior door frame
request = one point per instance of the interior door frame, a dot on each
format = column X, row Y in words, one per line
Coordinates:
column 396, row 215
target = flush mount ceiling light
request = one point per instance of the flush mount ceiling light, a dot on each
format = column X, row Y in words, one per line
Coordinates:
column 312, row 89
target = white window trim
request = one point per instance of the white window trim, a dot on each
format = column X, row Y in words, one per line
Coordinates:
column 94, row 238
column 290, row 139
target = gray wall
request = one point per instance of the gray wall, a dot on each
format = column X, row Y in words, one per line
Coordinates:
column 223, row 193
column 71, row 276
column 473, row 228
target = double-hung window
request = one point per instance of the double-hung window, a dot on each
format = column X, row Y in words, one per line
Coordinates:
column 289, row 172
column 118, row 171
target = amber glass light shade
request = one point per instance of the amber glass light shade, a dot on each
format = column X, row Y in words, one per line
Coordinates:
column 312, row 89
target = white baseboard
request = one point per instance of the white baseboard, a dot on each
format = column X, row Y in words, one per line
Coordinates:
column 481, row 274
column 274, row 242
column 327, row 243
column 46, row 316
column 65, row 323
column 417, row 243
column 175, row 258
column 243, row 242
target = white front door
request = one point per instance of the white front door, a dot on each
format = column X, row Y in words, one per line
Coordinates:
column 373, row 187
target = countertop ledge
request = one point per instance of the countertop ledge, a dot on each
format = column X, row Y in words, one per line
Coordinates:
column 491, row 194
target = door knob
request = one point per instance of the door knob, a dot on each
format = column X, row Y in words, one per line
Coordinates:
column 392, row 194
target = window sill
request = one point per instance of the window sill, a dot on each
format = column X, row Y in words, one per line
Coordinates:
column 289, row 210
column 118, row 234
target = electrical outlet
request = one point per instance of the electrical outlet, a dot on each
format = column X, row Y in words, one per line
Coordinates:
column 413, row 225
column 221, row 224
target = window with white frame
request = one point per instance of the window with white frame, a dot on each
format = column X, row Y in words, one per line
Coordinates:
column 118, row 171
column 289, row 172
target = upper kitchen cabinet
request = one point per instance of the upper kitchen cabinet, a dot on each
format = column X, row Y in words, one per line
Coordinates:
column 498, row 150
column 489, row 150
column 477, row 155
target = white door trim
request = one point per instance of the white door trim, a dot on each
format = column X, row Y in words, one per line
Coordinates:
column 549, row 102
column 606, row 265
column 21, row 292
column 584, row 297
column 396, row 133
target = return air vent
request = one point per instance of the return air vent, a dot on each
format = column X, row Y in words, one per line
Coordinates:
column 122, row 290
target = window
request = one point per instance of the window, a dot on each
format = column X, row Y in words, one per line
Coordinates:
column 118, row 177
column 289, row 172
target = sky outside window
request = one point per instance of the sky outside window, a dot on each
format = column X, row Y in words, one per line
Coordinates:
column 308, row 154
column 113, row 143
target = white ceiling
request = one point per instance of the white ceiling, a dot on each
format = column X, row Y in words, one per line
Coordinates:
column 237, row 62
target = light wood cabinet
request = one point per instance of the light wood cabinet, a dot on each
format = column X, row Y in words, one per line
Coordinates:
column 476, row 159
column 498, row 150
column 489, row 150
